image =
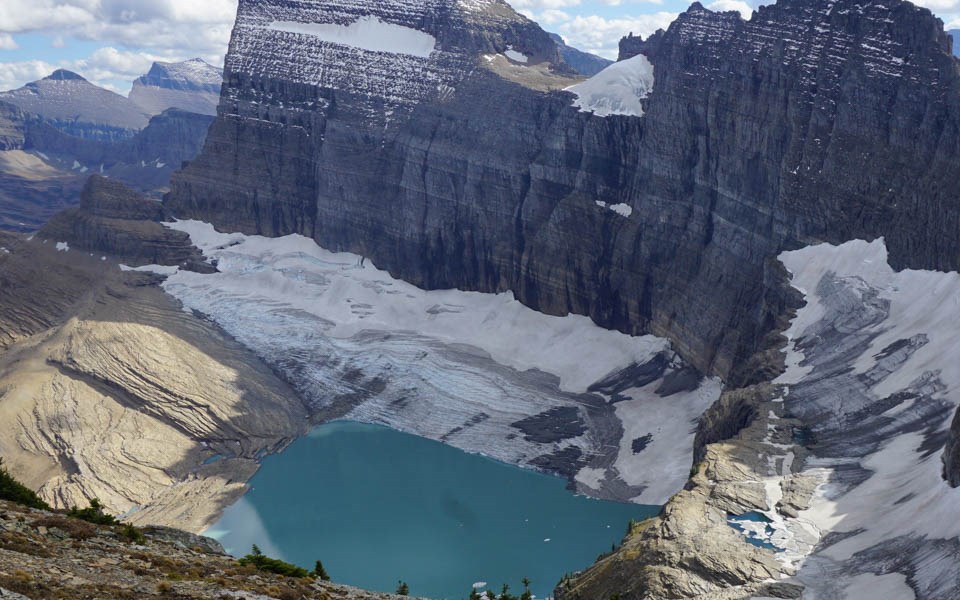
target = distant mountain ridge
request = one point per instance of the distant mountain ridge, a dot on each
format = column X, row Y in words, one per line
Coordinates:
column 56, row 131
column 192, row 85
column 582, row 62
column 82, row 109
column 78, row 107
column 955, row 34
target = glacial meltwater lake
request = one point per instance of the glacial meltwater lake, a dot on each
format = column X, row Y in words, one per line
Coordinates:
column 378, row 506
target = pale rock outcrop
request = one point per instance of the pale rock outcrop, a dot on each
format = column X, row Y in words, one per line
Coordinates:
column 115, row 393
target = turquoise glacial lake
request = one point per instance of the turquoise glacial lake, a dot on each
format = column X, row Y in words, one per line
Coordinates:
column 377, row 506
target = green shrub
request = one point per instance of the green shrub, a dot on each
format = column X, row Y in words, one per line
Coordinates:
column 14, row 491
column 93, row 514
column 132, row 535
column 403, row 589
column 272, row 565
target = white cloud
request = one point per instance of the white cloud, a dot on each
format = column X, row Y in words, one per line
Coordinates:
column 7, row 42
column 134, row 33
column 745, row 10
column 543, row 4
column 184, row 27
column 15, row 74
column 602, row 36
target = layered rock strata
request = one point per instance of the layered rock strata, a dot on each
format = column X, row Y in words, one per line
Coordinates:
column 115, row 221
column 830, row 120
column 112, row 391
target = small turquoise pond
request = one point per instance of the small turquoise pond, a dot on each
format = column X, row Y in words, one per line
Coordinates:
column 377, row 506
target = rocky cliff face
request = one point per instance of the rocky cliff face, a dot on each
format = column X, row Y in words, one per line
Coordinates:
column 191, row 85
column 145, row 160
column 114, row 220
column 831, row 121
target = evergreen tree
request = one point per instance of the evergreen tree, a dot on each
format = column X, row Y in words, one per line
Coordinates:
column 14, row 491
column 527, row 594
column 320, row 573
column 403, row 589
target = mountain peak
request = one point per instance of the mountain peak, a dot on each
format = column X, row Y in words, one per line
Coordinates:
column 192, row 85
column 64, row 75
column 195, row 71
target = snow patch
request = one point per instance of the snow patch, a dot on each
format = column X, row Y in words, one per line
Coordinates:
column 367, row 33
column 516, row 56
column 622, row 209
column 617, row 90
column 668, row 423
column 63, row 247
column 157, row 269
column 512, row 334
column 877, row 587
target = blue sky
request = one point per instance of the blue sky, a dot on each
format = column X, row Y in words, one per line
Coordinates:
column 111, row 42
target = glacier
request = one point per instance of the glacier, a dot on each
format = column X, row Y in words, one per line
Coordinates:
column 871, row 371
column 614, row 413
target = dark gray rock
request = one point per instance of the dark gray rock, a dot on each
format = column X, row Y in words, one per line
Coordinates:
column 114, row 220
column 186, row 540
column 630, row 46
column 12, row 127
column 951, row 453
column 30, row 196
column 809, row 135
column 145, row 161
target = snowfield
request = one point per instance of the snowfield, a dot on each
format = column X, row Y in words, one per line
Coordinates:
column 367, row 33
column 872, row 367
column 479, row 371
column 617, row 90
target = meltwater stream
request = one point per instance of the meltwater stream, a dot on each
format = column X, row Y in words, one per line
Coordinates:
column 378, row 506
